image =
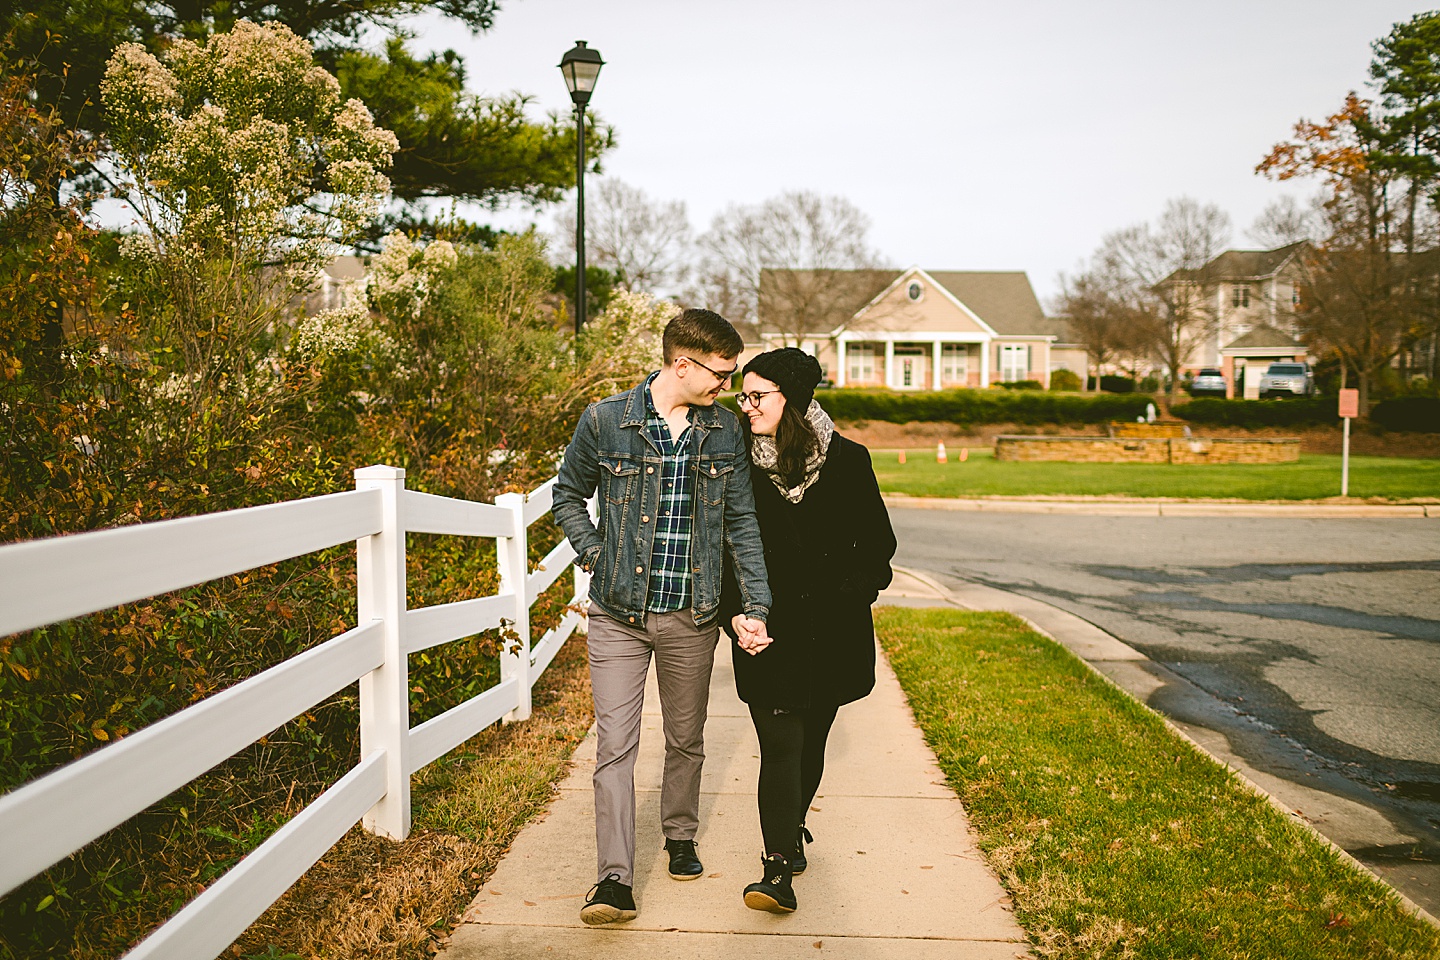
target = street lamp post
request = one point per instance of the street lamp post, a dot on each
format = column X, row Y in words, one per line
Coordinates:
column 581, row 66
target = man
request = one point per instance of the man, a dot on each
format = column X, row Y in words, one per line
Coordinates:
column 673, row 481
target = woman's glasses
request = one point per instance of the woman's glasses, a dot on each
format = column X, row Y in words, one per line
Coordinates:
column 754, row 396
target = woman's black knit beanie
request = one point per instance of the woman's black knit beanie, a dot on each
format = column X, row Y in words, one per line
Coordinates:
column 794, row 371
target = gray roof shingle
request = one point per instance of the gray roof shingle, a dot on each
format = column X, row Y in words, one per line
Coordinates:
column 1263, row 336
column 1003, row 299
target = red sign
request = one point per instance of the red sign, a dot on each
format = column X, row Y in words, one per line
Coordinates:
column 1349, row 403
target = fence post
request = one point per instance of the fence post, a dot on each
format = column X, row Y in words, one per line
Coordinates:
column 513, row 556
column 385, row 691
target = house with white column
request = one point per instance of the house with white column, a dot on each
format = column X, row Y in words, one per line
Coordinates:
column 931, row 330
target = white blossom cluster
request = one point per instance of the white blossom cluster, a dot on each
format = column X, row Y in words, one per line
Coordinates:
column 631, row 328
column 348, row 330
column 223, row 143
column 401, row 277
column 176, row 388
column 139, row 248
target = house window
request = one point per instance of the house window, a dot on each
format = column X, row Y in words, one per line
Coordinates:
column 954, row 362
column 861, row 360
column 1240, row 295
column 1295, row 295
column 1014, row 362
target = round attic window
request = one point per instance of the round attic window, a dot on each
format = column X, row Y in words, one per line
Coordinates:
column 915, row 291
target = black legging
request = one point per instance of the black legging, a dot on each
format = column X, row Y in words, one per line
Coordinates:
column 792, row 759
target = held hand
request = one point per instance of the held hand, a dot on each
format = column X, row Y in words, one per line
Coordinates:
column 744, row 632
column 755, row 635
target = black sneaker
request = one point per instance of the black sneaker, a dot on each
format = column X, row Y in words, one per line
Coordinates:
column 684, row 864
column 798, row 863
column 609, row 901
column 775, row 892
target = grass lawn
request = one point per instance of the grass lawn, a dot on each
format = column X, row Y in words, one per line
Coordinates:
column 1314, row 477
column 1115, row 837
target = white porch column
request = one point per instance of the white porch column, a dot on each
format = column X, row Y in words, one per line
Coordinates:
column 935, row 383
column 889, row 361
column 985, row 363
column 839, row 362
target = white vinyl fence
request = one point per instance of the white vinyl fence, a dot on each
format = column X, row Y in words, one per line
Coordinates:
column 46, row 581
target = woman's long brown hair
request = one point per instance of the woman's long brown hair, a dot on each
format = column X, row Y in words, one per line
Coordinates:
column 794, row 441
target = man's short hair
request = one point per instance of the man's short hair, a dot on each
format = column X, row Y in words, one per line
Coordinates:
column 701, row 331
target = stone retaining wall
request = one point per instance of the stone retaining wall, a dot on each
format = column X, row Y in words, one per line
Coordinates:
column 1121, row 428
column 1148, row 449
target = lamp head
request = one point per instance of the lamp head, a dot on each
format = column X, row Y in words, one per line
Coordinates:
column 581, row 66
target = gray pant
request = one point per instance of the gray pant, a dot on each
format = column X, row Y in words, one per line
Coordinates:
column 619, row 660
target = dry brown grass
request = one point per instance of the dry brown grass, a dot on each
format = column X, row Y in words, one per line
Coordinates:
column 373, row 898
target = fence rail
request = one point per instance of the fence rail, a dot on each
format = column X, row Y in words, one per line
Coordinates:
column 45, row 581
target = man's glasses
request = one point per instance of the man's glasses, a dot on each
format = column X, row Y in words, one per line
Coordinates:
column 722, row 377
column 754, row 397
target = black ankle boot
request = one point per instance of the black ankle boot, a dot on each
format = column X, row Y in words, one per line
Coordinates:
column 798, row 863
column 775, row 893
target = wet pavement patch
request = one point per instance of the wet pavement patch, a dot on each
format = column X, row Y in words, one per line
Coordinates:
column 1413, row 628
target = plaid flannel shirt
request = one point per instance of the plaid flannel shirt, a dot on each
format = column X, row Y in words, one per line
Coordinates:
column 670, row 556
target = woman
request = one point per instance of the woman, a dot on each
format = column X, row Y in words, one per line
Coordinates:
column 828, row 545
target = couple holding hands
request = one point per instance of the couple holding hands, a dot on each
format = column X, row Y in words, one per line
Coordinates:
column 769, row 526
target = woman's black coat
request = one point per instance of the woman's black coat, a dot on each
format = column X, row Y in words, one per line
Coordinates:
column 827, row 558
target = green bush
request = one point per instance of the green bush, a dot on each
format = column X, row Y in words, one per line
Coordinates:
column 1065, row 380
column 978, row 406
column 1416, row 414
column 1022, row 385
column 1251, row 414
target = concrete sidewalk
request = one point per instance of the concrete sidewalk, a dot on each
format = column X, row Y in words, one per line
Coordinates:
column 893, row 871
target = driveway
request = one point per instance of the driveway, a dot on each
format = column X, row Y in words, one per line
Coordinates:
column 1308, row 649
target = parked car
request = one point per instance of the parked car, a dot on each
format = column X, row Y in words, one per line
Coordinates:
column 1288, row 380
column 1209, row 382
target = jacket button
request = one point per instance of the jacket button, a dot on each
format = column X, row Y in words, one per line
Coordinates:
column 712, row 471
column 632, row 619
column 649, row 469
column 644, row 519
column 697, row 569
column 639, row 569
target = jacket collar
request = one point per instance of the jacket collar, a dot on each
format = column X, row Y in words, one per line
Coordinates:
column 635, row 415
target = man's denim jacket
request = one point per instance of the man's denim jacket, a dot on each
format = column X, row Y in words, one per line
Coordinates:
column 611, row 453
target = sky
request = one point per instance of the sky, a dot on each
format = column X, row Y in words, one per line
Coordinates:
column 995, row 136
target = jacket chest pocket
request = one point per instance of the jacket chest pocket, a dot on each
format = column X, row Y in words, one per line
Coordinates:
column 619, row 479
column 715, row 476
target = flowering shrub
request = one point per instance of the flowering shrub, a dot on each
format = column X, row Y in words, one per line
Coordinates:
column 240, row 147
column 627, row 335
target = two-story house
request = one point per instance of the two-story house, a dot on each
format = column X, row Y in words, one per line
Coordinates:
column 1248, row 300
column 918, row 329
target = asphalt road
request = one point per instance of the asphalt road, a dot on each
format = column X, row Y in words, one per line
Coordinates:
column 1312, row 646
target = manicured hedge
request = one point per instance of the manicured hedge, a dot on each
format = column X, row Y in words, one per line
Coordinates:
column 1416, row 414
column 980, row 406
column 1412, row 414
column 1259, row 413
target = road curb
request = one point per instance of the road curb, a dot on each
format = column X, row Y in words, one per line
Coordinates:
column 1079, row 636
column 1138, row 507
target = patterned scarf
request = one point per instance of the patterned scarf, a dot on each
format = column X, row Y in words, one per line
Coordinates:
column 767, row 456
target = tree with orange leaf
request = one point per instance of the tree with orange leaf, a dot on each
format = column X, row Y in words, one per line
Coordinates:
column 1362, row 286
